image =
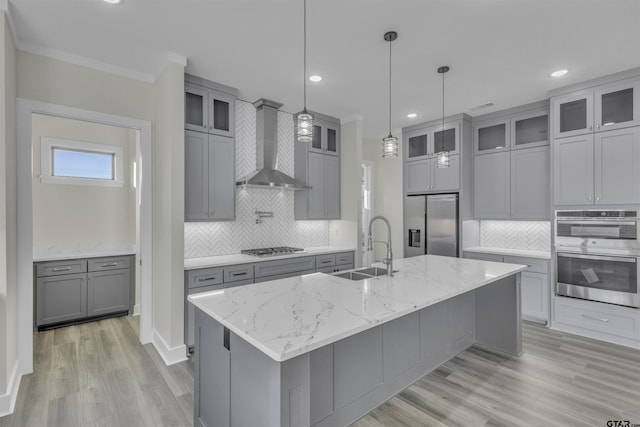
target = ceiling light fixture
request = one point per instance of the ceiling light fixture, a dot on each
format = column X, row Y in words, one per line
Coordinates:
column 315, row 78
column 559, row 73
column 390, row 143
column 443, row 156
column 112, row 1
column 304, row 119
column 412, row 115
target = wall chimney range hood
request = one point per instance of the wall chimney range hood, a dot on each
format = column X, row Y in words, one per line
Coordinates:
column 268, row 176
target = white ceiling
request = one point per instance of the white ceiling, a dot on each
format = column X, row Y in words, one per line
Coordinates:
column 499, row 51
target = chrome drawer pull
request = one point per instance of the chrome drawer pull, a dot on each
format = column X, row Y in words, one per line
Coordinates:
column 112, row 264
column 208, row 278
column 238, row 274
column 325, row 261
column 62, row 269
column 595, row 318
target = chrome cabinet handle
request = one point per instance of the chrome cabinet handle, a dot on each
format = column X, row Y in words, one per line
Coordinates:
column 597, row 126
column 238, row 274
column 589, row 198
column 206, row 279
column 590, row 127
column 600, row 319
column 111, row 264
column 597, row 198
column 62, row 268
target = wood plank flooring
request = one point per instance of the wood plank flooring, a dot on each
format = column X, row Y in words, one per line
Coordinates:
column 98, row 374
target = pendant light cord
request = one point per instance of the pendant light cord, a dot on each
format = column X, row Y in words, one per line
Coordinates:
column 390, row 41
column 304, row 77
column 443, row 107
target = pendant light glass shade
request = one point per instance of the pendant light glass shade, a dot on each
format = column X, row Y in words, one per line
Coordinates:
column 390, row 146
column 443, row 156
column 304, row 119
column 390, row 143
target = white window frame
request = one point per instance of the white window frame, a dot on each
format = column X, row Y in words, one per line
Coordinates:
column 47, row 144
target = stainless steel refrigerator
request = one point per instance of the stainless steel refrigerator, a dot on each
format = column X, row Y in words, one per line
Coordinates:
column 431, row 225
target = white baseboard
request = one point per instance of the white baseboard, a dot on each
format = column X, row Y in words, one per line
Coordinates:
column 136, row 310
column 8, row 400
column 172, row 355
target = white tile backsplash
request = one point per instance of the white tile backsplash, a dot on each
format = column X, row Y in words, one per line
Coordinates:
column 221, row 238
column 523, row 235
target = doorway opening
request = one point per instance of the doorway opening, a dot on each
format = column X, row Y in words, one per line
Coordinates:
column 367, row 209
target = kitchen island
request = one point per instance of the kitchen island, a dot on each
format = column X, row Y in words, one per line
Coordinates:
column 323, row 350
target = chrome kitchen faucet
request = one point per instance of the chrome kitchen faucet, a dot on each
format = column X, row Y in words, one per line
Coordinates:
column 389, row 259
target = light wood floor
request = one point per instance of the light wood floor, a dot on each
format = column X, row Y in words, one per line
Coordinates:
column 97, row 374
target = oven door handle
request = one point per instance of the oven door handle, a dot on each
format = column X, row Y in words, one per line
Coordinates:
column 609, row 222
column 597, row 257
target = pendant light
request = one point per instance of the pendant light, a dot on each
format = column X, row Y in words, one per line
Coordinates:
column 304, row 119
column 443, row 156
column 390, row 143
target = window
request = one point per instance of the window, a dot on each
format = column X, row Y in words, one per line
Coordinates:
column 66, row 161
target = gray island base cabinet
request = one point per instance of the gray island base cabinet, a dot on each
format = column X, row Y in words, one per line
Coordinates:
column 238, row 384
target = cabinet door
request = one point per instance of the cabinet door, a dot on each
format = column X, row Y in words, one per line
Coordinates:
column 222, row 187
column 616, row 106
column 416, row 144
column 332, row 138
column 491, row 136
column 317, row 182
column 108, row 292
column 61, row 298
column 617, row 166
column 446, row 138
column 529, row 130
column 445, row 178
column 317, row 141
column 530, row 184
column 222, row 112
column 196, row 176
column 332, row 187
column 534, row 295
column 491, row 186
column 573, row 170
column 573, row 114
column 417, row 176
column 196, row 108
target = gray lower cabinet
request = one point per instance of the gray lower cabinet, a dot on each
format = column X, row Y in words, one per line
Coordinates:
column 534, row 284
column 209, row 177
column 78, row 289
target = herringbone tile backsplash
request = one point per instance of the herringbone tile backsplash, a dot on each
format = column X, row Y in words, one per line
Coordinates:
column 220, row 238
column 525, row 235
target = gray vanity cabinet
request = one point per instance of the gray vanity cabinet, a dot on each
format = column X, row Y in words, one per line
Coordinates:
column 209, row 177
column 78, row 289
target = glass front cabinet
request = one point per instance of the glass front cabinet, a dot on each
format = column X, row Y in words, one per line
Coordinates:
column 606, row 107
column 209, row 111
column 424, row 143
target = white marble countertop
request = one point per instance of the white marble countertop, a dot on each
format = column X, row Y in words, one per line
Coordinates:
column 288, row 317
column 84, row 250
column 220, row 260
column 506, row 251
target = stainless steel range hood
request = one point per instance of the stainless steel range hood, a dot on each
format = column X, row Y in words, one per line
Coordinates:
column 268, row 175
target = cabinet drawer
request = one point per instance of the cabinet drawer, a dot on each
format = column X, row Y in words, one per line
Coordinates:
column 56, row 268
column 238, row 283
column 616, row 321
column 327, row 270
column 284, row 266
column 238, row 272
column 204, row 277
column 344, row 258
column 481, row 256
column 534, row 265
column 102, row 264
column 325, row 261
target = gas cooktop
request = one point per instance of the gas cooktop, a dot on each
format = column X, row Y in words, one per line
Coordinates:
column 262, row 252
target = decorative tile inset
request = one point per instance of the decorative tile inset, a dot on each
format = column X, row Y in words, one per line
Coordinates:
column 524, row 235
column 220, row 238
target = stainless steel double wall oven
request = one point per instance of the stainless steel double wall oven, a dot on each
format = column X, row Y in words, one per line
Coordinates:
column 597, row 255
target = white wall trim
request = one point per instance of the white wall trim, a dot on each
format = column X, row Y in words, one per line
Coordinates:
column 171, row 355
column 136, row 310
column 25, row 109
column 8, row 400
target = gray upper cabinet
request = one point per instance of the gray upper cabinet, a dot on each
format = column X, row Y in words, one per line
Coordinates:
column 423, row 143
column 326, row 137
column 208, row 110
column 209, row 177
column 530, row 183
column 491, row 136
column 417, row 176
column 445, row 137
column 605, row 107
column 416, row 144
column 530, row 130
column 492, row 186
column 318, row 165
column 601, row 168
column 424, row 176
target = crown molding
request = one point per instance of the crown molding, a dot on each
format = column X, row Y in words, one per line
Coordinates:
column 352, row 118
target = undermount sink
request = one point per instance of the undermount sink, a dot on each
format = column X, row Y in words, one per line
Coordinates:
column 364, row 273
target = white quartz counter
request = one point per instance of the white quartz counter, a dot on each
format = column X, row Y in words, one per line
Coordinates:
column 85, row 250
column 288, row 317
column 506, row 251
column 220, row 260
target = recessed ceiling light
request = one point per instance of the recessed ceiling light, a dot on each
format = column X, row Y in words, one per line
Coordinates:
column 412, row 115
column 559, row 73
column 113, row 1
column 315, row 78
